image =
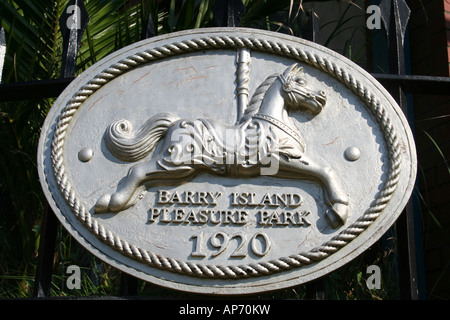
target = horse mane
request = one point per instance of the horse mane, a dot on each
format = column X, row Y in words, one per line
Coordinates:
column 257, row 98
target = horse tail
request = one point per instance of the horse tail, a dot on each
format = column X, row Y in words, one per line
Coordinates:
column 126, row 145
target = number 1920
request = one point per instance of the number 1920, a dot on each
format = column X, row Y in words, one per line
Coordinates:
column 219, row 241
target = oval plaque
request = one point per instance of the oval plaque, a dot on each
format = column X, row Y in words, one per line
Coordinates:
column 226, row 161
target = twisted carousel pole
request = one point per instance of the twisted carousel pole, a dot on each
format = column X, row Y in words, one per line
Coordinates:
column 242, row 81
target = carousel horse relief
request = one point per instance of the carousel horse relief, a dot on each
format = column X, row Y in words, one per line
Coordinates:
column 265, row 141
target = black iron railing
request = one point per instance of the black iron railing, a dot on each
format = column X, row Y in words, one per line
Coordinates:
column 228, row 13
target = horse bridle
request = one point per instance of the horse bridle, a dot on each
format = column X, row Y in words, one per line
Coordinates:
column 282, row 126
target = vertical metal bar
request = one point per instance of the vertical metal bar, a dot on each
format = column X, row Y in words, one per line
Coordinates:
column 148, row 30
column 2, row 51
column 395, row 16
column 44, row 269
column 72, row 22
column 395, row 30
column 43, row 275
column 311, row 30
column 315, row 290
column 128, row 285
column 228, row 13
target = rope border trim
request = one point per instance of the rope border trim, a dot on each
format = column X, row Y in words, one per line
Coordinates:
column 222, row 271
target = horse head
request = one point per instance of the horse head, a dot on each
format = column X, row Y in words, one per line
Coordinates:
column 298, row 94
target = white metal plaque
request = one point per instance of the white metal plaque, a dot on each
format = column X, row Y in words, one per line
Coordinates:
column 226, row 161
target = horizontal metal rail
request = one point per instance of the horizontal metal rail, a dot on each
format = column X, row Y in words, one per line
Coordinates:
column 29, row 90
column 416, row 84
column 52, row 88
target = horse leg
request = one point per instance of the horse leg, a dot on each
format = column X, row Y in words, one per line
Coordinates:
column 127, row 192
column 306, row 168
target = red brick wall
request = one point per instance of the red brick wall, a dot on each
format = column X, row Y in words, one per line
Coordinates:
column 429, row 30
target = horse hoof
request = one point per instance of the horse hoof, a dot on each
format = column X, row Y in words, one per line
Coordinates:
column 117, row 202
column 102, row 204
column 341, row 210
column 337, row 215
column 331, row 219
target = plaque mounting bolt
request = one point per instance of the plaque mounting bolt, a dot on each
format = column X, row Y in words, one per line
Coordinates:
column 85, row 154
column 352, row 153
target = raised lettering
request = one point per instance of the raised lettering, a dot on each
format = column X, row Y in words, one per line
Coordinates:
column 283, row 198
column 191, row 216
column 211, row 217
column 203, row 216
column 294, row 203
column 154, row 212
column 176, row 198
column 214, row 197
column 264, row 216
column 283, row 218
column 229, row 217
column 242, row 217
column 165, row 217
column 194, row 216
column 188, row 198
column 268, row 199
column 179, row 215
column 163, row 196
column 265, row 244
column 289, row 218
column 275, row 200
column 197, row 252
column 302, row 218
column 259, row 244
column 240, row 251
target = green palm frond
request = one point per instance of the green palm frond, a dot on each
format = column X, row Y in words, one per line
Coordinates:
column 32, row 35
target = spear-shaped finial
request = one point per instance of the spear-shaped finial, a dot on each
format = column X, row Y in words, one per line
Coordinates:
column 310, row 26
column 395, row 15
column 148, row 31
column 228, row 13
column 72, row 22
